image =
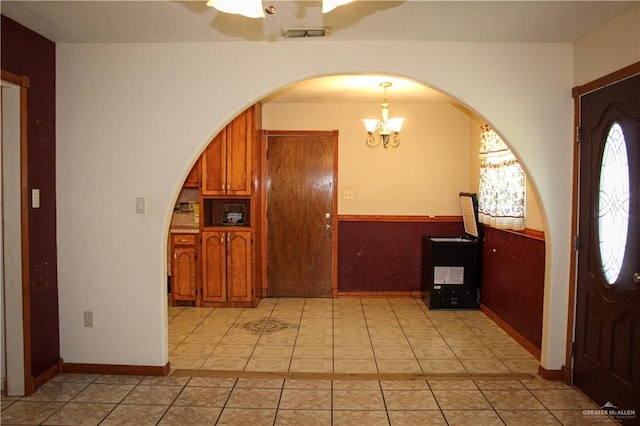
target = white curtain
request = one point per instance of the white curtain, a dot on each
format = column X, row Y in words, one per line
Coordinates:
column 501, row 198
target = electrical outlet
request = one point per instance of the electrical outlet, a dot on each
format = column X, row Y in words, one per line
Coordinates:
column 348, row 194
column 88, row 318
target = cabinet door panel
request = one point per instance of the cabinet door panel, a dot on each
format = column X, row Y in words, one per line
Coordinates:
column 213, row 267
column 214, row 166
column 239, row 266
column 239, row 135
column 183, row 274
column 193, row 179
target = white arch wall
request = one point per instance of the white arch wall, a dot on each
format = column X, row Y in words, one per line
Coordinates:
column 133, row 117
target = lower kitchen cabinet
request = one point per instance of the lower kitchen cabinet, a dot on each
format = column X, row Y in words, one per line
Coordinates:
column 184, row 271
column 226, row 268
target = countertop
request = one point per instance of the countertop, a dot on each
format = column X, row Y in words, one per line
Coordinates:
column 183, row 230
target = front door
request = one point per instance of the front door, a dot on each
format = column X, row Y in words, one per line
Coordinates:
column 300, row 213
column 607, row 335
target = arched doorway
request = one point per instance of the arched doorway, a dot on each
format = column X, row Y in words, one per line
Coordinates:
column 389, row 183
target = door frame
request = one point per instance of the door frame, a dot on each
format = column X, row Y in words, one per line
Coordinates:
column 263, row 203
column 577, row 93
column 27, row 385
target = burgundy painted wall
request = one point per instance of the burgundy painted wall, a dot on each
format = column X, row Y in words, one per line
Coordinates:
column 385, row 256
column 26, row 53
column 513, row 281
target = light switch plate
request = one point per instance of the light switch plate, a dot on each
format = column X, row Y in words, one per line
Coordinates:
column 140, row 205
column 35, row 198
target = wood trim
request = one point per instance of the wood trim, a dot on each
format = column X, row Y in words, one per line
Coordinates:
column 550, row 374
column 567, row 374
column 614, row 77
column 24, row 82
column 262, row 194
column 530, row 347
column 334, row 219
column 18, row 80
column 26, row 263
column 48, row 375
column 299, row 132
column 529, row 233
column 577, row 92
column 397, row 218
column 135, row 370
column 573, row 258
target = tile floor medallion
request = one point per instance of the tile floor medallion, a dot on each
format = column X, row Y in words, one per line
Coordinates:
column 266, row 325
column 306, row 362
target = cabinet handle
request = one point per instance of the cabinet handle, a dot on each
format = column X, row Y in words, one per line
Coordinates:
column 183, row 240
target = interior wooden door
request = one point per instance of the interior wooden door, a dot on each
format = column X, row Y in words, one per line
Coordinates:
column 300, row 212
column 607, row 335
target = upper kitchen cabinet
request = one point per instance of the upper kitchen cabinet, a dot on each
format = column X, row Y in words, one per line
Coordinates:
column 193, row 179
column 226, row 163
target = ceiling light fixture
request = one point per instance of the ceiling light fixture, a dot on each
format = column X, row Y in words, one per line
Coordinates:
column 248, row 8
column 254, row 8
column 385, row 127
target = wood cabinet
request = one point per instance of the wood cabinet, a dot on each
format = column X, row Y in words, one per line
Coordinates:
column 184, row 269
column 219, row 269
column 193, row 179
column 226, row 266
column 226, row 163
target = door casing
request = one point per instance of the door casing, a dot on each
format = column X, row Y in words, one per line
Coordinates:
column 578, row 92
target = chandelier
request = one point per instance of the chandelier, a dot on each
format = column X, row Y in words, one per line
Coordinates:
column 385, row 128
column 254, row 9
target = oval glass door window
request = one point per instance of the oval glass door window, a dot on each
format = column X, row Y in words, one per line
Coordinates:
column 613, row 204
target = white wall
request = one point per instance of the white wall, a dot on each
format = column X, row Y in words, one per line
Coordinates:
column 403, row 181
column 132, row 119
column 608, row 48
column 11, row 320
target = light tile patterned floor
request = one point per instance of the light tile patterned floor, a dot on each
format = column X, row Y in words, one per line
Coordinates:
column 319, row 362
column 351, row 335
column 78, row 399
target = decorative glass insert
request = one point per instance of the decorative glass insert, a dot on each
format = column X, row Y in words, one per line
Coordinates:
column 613, row 204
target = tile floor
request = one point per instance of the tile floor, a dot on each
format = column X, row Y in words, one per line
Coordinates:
column 77, row 399
column 319, row 362
column 350, row 335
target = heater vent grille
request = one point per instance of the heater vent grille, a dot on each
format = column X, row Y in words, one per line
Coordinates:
column 305, row 32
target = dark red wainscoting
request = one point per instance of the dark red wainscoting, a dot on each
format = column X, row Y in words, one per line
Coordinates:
column 513, row 281
column 378, row 255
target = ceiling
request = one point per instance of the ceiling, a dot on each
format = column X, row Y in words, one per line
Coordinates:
column 95, row 21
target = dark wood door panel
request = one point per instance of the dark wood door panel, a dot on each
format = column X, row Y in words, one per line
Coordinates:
column 300, row 185
column 607, row 335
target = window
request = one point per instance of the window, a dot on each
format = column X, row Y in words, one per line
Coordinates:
column 501, row 198
column 613, row 204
